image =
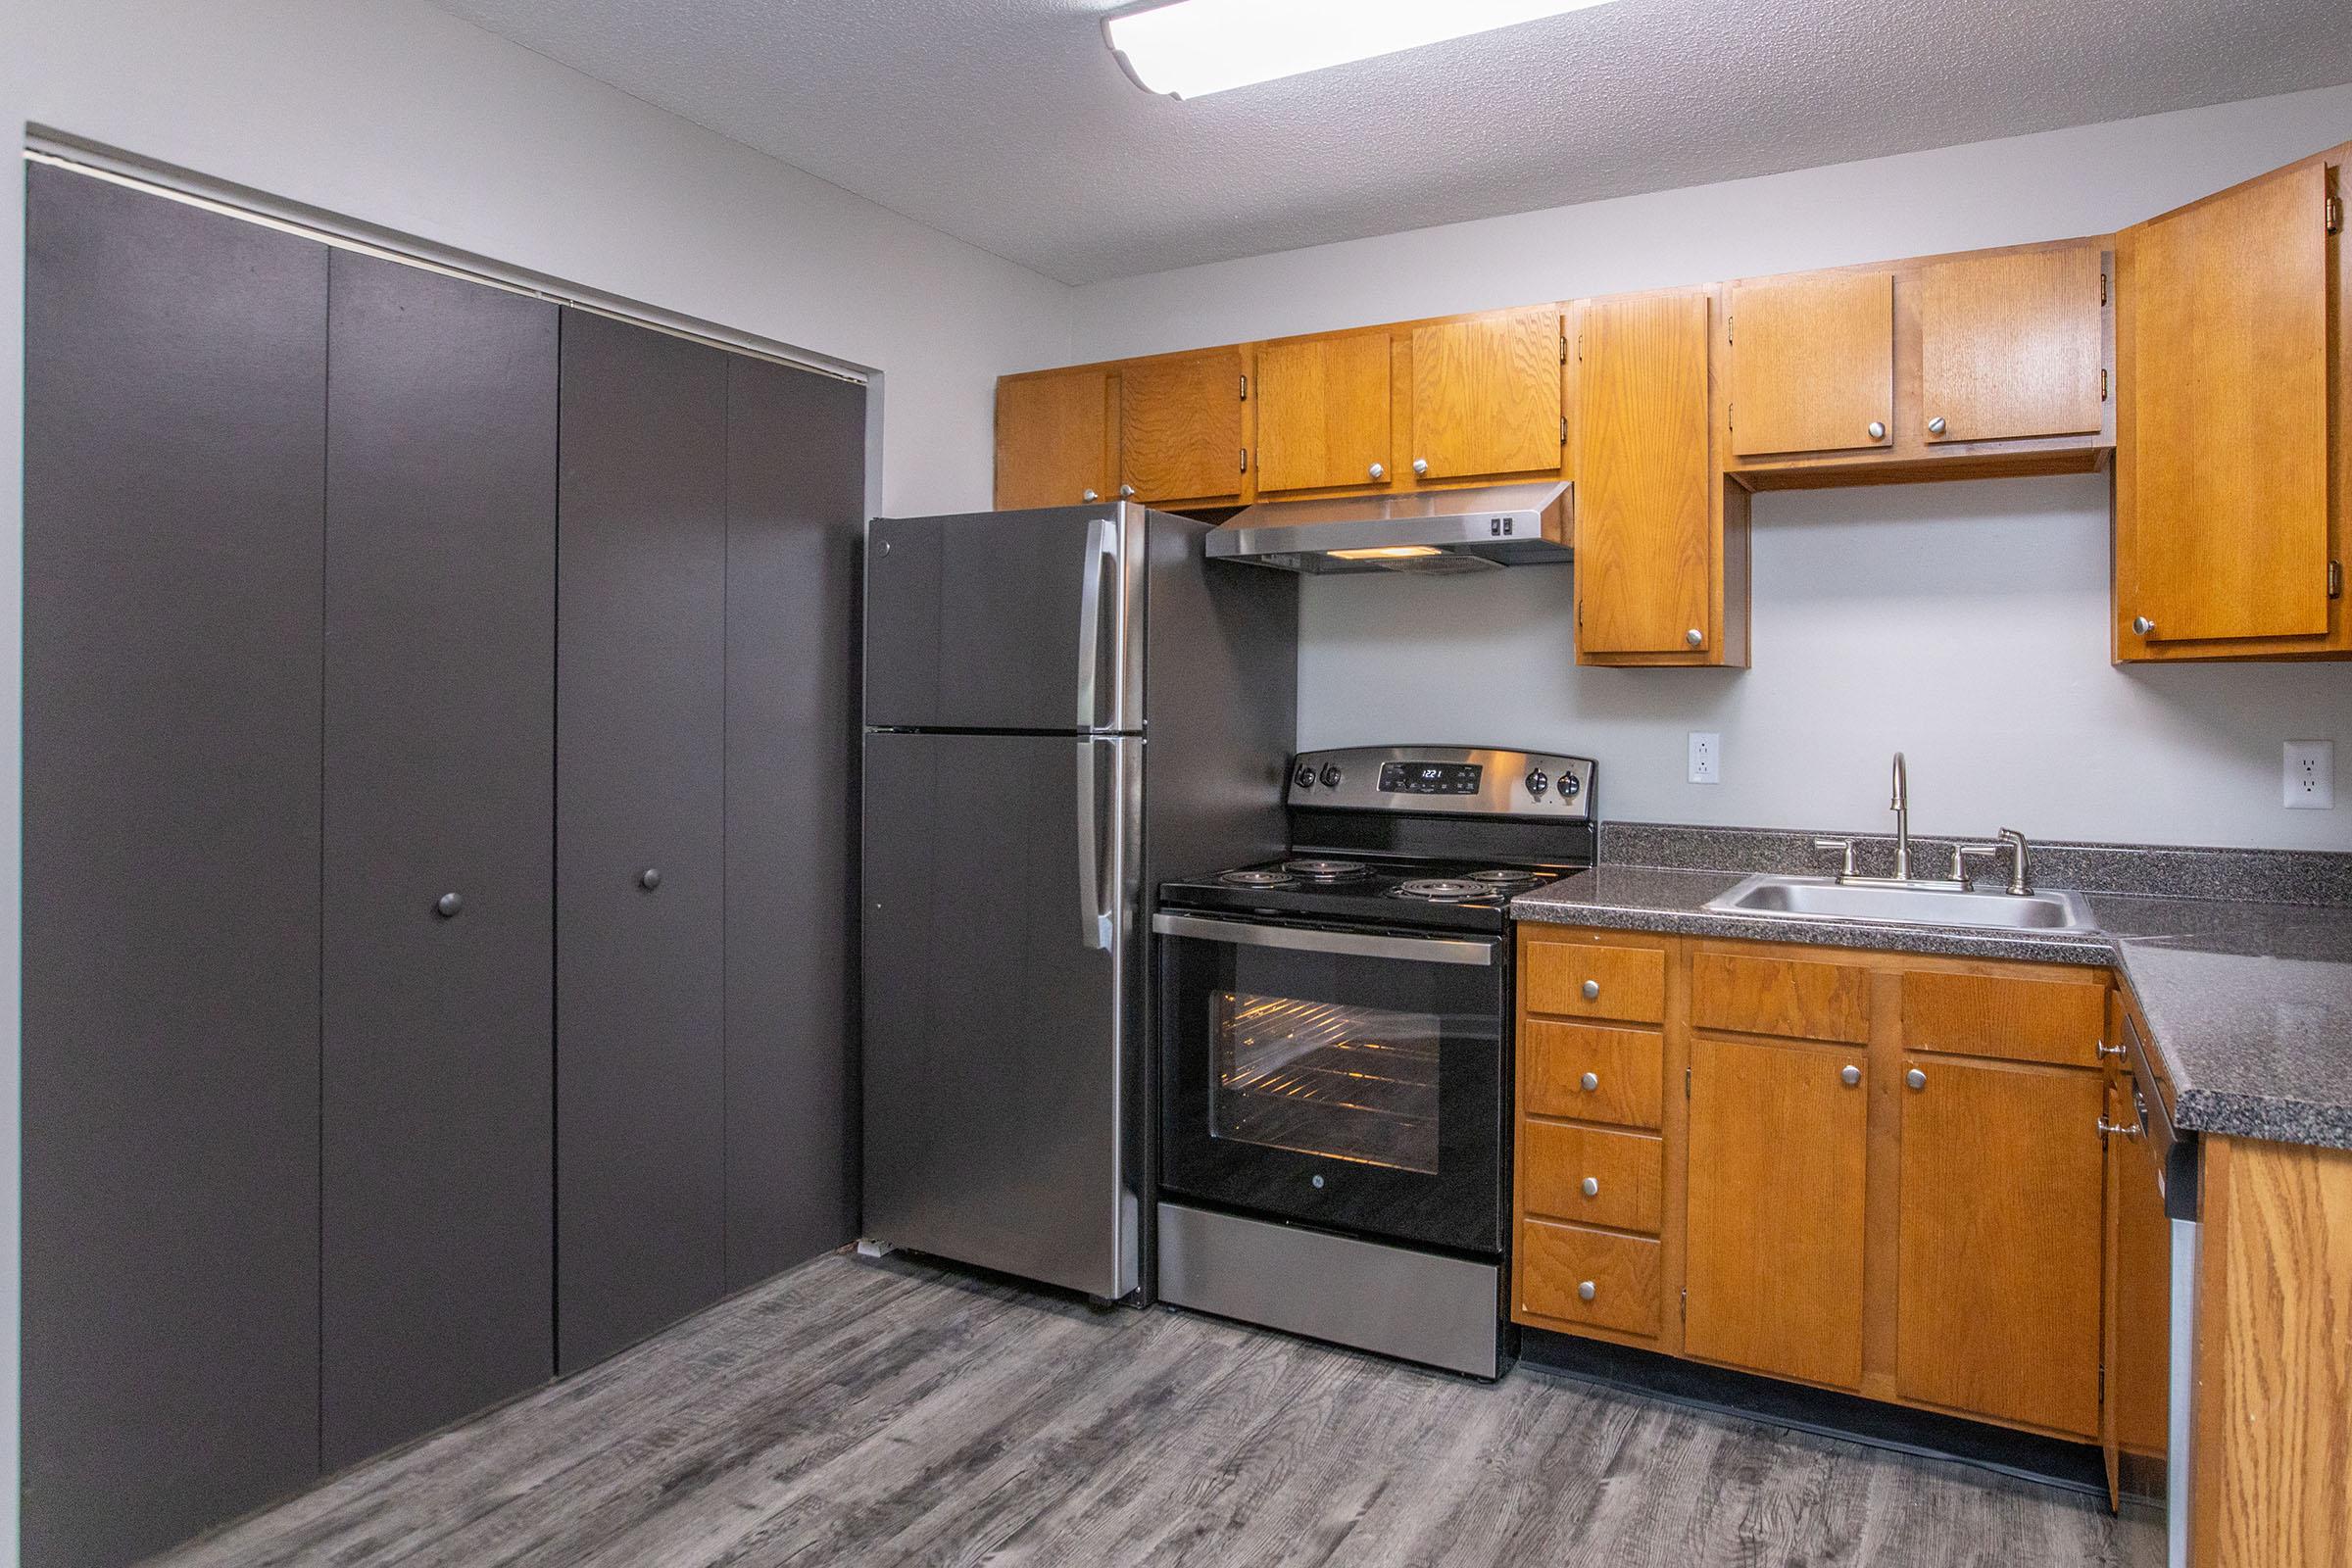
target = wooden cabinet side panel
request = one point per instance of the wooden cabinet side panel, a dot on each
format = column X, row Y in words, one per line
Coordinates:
column 1998, row 1279
column 1323, row 413
column 1645, row 522
column 2224, row 363
column 2012, row 345
column 2274, row 1369
column 1486, row 394
column 1774, row 1233
column 1812, row 363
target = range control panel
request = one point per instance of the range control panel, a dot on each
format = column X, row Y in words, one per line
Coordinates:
column 1464, row 780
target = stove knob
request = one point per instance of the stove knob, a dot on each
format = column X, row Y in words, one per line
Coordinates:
column 1305, row 778
column 1332, row 775
column 1538, row 783
column 1570, row 786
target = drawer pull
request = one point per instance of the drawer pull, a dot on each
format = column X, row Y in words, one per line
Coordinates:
column 1849, row 1076
column 1592, row 991
column 1588, row 1082
column 1591, row 1187
column 1587, row 1290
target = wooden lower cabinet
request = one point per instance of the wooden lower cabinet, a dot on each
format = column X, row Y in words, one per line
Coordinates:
column 1776, row 1220
column 1998, row 1273
column 1794, row 1203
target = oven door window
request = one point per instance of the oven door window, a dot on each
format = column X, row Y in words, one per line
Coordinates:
column 1326, row 1078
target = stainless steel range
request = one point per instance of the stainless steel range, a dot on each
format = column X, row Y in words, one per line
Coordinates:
column 1334, row 1050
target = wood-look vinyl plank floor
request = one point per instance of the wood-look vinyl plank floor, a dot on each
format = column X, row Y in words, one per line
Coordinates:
column 889, row 1412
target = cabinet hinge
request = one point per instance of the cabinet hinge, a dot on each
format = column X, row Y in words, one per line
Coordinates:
column 1563, row 429
column 1727, row 330
column 2335, row 579
column 2102, row 1383
column 1563, row 348
column 1244, row 386
column 1685, row 1083
column 2102, row 386
column 1686, row 1303
column 2332, row 212
column 1245, row 459
column 2102, row 287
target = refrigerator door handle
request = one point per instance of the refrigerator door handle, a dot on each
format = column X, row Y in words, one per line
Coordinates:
column 1096, row 913
column 1102, row 551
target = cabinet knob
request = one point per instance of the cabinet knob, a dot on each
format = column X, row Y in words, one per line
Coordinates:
column 2100, row 1047
column 1420, row 464
column 448, row 905
column 1586, row 1291
column 1088, row 495
column 2119, row 1129
column 1936, row 426
column 1878, row 431
column 1590, row 1082
column 649, row 878
column 1695, row 638
column 1377, row 471
column 1591, row 1187
column 1126, row 492
column 1592, row 989
column 2142, row 625
column 1850, row 1076
column 1916, row 1079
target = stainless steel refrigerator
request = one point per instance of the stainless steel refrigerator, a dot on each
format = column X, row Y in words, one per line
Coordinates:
column 1063, row 707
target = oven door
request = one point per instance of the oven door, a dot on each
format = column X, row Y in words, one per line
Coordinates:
column 1343, row 1078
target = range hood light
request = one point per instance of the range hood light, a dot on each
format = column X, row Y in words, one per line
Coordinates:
column 1386, row 552
column 1191, row 48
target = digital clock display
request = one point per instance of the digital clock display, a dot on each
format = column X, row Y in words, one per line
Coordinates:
column 1429, row 778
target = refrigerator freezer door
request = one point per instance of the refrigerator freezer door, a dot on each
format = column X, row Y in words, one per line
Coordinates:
column 999, row 933
column 1006, row 620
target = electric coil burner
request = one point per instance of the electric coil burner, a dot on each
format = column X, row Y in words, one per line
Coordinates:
column 1334, row 1032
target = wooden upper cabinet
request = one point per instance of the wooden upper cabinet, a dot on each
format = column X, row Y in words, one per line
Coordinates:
column 1646, row 486
column 1487, row 395
column 1998, row 1266
column 2223, row 523
column 1812, row 363
column 2013, row 343
column 1057, row 438
column 1324, row 413
column 1180, row 426
column 1774, row 1239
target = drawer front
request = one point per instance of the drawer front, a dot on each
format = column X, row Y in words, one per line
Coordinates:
column 1558, row 1263
column 1593, row 1177
column 1596, row 980
column 2054, row 1021
column 1589, row 1074
column 1791, row 998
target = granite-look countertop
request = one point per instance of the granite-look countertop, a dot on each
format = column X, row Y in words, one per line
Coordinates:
column 2250, row 1003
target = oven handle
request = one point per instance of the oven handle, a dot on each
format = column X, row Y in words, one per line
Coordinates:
column 1352, row 944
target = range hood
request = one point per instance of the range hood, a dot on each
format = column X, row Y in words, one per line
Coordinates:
column 1420, row 530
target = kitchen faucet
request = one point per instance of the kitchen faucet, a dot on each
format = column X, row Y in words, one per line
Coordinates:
column 1900, row 805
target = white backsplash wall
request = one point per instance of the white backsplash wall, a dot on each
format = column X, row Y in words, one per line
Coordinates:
column 1963, row 624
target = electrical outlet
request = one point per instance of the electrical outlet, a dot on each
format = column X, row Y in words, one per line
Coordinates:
column 1706, row 757
column 2309, row 776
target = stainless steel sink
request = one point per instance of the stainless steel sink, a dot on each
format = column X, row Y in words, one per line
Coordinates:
column 1821, row 898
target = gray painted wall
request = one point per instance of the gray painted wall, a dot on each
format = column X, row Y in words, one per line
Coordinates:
column 1965, row 623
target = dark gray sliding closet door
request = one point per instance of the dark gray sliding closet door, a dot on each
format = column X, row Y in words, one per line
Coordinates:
column 176, row 402
column 796, row 503
column 640, row 732
column 437, row 1292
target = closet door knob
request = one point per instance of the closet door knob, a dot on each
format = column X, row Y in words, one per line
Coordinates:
column 649, row 878
column 448, row 905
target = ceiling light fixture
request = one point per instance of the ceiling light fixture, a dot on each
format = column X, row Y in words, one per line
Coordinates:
column 1190, row 48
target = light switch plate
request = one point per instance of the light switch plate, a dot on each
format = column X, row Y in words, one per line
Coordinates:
column 2309, row 776
column 1706, row 757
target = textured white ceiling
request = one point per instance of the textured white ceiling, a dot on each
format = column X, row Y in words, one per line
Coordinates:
column 1008, row 124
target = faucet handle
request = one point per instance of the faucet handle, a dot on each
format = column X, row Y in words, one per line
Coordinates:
column 2021, row 879
column 1962, row 854
column 1844, row 845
